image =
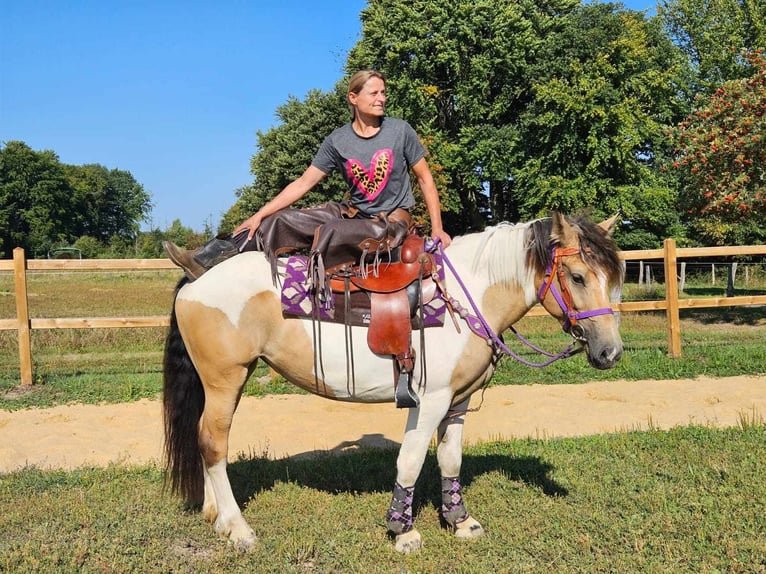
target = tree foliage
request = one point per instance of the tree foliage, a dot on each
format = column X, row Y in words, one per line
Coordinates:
column 713, row 35
column 722, row 158
column 45, row 203
column 459, row 73
column 34, row 196
column 533, row 105
column 606, row 90
column 106, row 202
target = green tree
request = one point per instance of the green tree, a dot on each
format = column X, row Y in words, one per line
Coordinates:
column 713, row 34
column 90, row 247
column 44, row 202
column 605, row 92
column 34, row 199
column 149, row 244
column 533, row 106
column 107, row 202
column 722, row 154
column 458, row 72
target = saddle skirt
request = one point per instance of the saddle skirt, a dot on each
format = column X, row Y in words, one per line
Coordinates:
column 350, row 303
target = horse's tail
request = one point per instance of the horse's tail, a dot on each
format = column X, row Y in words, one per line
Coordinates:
column 183, row 399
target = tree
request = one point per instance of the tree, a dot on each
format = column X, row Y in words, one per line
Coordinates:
column 605, row 93
column 106, row 202
column 722, row 154
column 534, row 106
column 713, row 34
column 458, row 72
column 44, row 202
column 34, row 199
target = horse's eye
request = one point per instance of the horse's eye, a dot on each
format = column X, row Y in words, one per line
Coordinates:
column 578, row 279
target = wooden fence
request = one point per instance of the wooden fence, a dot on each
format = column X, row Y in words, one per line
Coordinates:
column 23, row 324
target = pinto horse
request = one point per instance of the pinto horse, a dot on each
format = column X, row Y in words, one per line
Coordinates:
column 226, row 320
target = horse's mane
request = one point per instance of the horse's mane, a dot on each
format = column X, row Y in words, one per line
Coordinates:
column 509, row 251
column 501, row 252
column 598, row 248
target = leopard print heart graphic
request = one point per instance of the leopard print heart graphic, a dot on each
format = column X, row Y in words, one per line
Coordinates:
column 372, row 182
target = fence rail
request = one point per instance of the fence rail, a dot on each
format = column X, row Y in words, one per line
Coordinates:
column 24, row 325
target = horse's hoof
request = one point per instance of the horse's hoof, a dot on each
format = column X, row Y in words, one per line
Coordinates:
column 409, row 542
column 239, row 534
column 243, row 538
column 469, row 528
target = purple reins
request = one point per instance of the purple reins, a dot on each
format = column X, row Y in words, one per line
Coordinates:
column 480, row 327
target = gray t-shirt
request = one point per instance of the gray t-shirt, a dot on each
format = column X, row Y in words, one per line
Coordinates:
column 375, row 168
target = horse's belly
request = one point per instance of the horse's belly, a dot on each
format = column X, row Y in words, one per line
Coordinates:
column 343, row 367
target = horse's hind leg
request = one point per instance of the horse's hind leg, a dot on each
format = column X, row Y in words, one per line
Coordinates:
column 449, row 454
column 220, row 506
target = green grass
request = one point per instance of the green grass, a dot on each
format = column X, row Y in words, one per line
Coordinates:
column 692, row 499
column 715, row 342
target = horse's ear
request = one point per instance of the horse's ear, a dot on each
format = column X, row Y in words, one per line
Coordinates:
column 561, row 230
column 609, row 225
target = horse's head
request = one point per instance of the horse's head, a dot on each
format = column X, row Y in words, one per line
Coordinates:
column 579, row 276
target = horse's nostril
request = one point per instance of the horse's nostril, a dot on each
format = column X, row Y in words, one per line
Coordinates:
column 610, row 356
column 607, row 358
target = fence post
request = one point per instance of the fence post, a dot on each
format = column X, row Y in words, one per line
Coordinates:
column 22, row 314
column 671, row 297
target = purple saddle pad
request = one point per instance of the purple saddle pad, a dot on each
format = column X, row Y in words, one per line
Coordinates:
column 297, row 300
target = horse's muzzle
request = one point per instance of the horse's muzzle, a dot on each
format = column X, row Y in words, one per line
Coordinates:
column 605, row 357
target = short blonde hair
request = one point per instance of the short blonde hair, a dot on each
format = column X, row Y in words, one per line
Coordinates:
column 357, row 82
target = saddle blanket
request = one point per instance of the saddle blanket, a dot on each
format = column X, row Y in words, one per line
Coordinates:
column 297, row 300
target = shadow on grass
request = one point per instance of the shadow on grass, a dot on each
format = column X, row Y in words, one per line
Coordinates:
column 753, row 315
column 369, row 466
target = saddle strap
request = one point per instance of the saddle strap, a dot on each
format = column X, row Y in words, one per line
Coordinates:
column 390, row 328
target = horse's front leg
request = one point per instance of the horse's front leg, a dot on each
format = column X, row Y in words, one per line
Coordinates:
column 220, row 506
column 449, row 454
column 421, row 425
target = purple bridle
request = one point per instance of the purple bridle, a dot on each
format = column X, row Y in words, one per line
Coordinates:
column 480, row 327
column 564, row 299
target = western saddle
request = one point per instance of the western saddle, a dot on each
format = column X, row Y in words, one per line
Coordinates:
column 397, row 288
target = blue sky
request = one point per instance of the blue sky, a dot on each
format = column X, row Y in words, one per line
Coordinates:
column 173, row 92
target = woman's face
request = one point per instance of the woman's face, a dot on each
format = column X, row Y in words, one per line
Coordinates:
column 371, row 100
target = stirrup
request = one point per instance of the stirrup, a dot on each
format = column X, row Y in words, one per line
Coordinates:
column 405, row 396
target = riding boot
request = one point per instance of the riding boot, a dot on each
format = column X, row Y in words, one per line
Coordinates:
column 196, row 262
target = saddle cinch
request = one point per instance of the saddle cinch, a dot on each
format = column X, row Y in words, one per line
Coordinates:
column 397, row 288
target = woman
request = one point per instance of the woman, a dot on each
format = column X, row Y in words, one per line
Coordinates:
column 374, row 155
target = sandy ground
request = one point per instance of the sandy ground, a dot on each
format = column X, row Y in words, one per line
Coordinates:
column 289, row 425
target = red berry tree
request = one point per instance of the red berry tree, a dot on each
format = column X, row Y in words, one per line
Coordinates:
column 722, row 158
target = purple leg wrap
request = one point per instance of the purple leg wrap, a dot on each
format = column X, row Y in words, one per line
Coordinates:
column 399, row 516
column 453, row 508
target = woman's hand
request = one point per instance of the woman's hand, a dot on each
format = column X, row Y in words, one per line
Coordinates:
column 252, row 223
column 285, row 198
column 442, row 236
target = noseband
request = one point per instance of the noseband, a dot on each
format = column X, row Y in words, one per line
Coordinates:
column 564, row 298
